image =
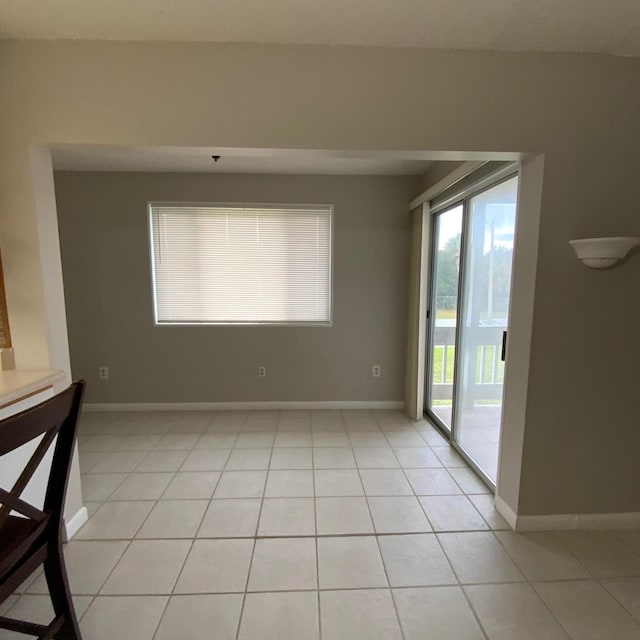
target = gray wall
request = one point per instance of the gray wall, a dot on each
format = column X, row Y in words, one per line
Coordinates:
column 105, row 257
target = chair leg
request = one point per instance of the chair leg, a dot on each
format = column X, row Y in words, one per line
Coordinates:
column 58, row 582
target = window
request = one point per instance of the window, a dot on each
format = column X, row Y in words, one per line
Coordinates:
column 241, row 264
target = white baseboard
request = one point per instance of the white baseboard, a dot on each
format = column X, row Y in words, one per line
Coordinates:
column 506, row 512
column 73, row 524
column 630, row 520
column 567, row 521
column 244, row 406
column 551, row 522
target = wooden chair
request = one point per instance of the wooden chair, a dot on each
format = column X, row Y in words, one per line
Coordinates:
column 35, row 537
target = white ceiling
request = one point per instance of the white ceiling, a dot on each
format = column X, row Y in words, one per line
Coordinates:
column 198, row 160
column 599, row 26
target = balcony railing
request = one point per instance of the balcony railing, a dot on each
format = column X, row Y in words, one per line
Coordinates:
column 485, row 371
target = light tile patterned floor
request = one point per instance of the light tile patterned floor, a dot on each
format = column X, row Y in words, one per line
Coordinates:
column 302, row 525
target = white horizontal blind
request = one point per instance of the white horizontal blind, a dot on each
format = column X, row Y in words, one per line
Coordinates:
column 226, row 264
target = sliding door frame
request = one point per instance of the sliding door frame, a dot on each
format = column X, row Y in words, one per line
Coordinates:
column 431, row 317
column 457, row 198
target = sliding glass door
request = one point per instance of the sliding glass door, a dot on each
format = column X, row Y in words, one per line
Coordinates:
column 471, row 279
column 491, row 217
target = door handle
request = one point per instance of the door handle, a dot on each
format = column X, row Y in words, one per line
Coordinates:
column 503, row 352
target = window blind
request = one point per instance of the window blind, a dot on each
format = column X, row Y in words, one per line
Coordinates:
column 228, row 264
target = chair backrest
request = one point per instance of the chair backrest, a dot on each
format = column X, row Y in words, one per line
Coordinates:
column 56, row 416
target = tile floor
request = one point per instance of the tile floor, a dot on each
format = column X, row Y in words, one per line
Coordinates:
column 302, row 525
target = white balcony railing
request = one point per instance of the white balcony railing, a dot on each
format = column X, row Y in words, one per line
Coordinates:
column 481, row 367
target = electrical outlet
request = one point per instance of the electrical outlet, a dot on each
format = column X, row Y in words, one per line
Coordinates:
column 375, row 370
column 262, row 371
column 103, row 373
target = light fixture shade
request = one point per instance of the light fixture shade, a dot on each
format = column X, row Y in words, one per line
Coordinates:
column 600, row 253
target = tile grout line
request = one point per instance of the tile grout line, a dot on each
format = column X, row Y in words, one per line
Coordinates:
column 345, row 535
column 199, row 527
column 615, row 533
column 460, row 586
column 181, row 570
column 315, row 542
column 129, row 544
column 532, row 584
column 315, row 510
column 313, row 589
column 457, row 577
column 634, row 616
column 384, row 565
column 417, row 496
column 196, row 536
column 406, row 477
column 253, row 550
column 104, row 582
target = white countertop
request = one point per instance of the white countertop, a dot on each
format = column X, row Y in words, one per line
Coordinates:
column 18, row 383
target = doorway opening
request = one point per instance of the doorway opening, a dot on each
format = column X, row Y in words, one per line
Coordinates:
column 472, row 244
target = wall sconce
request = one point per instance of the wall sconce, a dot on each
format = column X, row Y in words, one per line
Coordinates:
column 601, row 253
